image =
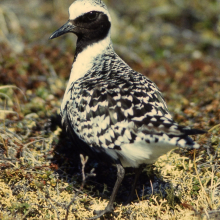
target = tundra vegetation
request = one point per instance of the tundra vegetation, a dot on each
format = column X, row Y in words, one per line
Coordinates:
column 176, row 44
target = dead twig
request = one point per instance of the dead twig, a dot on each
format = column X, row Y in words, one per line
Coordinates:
column 84, row 177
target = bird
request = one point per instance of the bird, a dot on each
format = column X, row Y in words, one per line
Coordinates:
column 112, row 112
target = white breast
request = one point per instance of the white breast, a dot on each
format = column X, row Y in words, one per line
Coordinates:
column 83, row 63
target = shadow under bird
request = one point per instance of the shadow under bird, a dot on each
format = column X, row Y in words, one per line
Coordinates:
column 112, row 112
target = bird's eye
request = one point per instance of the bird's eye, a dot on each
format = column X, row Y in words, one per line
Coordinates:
column 91, row 16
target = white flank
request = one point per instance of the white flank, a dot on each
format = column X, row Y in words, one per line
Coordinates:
column 133, row 155
column 79, row 8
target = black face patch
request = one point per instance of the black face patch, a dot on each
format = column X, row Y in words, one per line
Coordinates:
column 88, row 17
column 90, row 28
column 90, row 23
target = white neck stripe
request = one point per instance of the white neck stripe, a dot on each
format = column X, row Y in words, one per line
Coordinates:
column 84, row 62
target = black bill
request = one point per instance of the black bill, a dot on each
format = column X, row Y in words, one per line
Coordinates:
column 66, row 28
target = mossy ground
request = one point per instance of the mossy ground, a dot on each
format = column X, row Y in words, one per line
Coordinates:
column 174, row 43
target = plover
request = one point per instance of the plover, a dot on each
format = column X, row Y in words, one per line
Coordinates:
column 116, row 114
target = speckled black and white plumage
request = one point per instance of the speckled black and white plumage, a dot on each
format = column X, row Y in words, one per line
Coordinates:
column 114, row 110
column 121, row 112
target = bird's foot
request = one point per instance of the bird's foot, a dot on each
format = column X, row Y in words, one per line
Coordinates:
column 100, row 213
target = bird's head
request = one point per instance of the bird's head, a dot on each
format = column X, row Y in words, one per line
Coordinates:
column 88, row 19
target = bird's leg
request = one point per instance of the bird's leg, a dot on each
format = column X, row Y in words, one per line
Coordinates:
column 109, row 208
column 137, row 174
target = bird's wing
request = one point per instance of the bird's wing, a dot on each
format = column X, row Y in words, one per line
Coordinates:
column 112, row 115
